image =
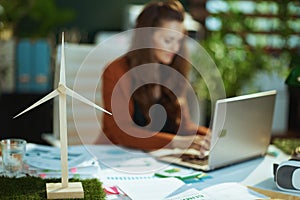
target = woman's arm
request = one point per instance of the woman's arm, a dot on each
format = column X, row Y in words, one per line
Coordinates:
column 129, row 135
column 126, row 132
column 188, row 126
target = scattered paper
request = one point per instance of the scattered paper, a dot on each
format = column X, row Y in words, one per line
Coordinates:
column 45, row 161
column 149, row 189
column 228, row 191
column 232, row 191
column 191, row 194
column 181, row 173
column 125, row 159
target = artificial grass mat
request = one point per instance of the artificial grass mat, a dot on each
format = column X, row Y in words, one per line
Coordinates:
column 35, row 188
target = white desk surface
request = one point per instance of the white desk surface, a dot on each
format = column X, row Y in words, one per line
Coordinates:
column 256, row 172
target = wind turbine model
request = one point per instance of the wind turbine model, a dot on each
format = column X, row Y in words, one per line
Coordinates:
column 63, row 189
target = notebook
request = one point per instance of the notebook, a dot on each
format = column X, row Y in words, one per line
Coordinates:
column 241, row 130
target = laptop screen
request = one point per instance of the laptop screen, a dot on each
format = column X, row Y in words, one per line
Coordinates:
column 241, row 128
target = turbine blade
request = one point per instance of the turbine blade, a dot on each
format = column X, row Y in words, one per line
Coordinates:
column 62, row 73
column 84, row 100
column 39, row 102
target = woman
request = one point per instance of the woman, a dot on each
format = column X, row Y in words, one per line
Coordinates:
column 134, row 123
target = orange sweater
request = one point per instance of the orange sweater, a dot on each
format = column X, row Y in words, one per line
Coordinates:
column 137, row 137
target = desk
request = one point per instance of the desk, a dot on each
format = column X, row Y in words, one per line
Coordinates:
column 256, row 172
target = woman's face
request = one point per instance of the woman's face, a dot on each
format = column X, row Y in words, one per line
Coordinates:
column 168, row 42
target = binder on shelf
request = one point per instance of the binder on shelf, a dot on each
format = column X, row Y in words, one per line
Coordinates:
column 33, row 66
column 41, row 72
column 24, row 66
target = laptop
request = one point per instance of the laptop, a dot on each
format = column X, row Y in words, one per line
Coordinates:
column 241, row 130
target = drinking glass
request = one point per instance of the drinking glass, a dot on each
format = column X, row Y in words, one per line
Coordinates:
column 13, row 151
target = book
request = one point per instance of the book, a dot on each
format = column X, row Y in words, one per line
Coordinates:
column 33, row 65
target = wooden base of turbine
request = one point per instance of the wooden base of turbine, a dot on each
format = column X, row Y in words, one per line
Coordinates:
column 72, row 191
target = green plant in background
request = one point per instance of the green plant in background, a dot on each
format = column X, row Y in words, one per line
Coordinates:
column 239, row 47
column 239, row 65
column 32, row 18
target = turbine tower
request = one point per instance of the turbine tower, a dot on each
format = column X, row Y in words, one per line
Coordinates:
column 63, row 189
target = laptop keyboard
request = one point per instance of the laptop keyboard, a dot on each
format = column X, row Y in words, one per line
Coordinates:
column 195, row 159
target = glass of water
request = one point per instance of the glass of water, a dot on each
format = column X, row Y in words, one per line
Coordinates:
column 13, row 151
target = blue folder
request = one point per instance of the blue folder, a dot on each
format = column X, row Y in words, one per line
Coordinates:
column 24, row 66
column 41, row 66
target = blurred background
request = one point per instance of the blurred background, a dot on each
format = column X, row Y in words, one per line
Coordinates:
column 254, row 43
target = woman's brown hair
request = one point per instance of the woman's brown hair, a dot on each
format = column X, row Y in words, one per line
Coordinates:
column 153, row 15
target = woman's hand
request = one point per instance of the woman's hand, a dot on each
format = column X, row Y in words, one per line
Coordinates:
column 197, row 142
column 202, row 143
